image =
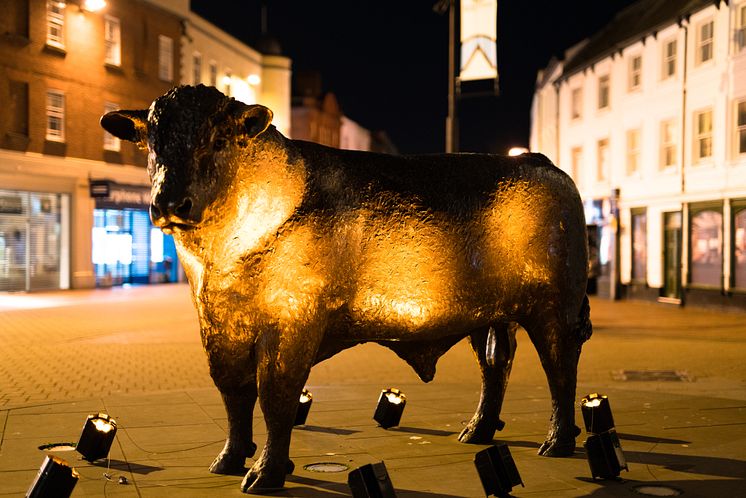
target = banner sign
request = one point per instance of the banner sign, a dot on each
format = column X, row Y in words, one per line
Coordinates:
column 478, row 40
column 112, row 195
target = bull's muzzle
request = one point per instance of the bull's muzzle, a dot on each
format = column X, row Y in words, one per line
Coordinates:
column 175, row 216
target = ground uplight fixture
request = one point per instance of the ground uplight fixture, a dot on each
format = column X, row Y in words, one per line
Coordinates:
column 98, row 434
column 497, row 470
column 596, row 413
column 390, row 407
column 303, row 407
column 605, row 456
column 56, row 478
column 371, row 481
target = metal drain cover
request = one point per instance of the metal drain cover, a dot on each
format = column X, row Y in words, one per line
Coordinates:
column 655, row 490
column 326, row 467
column 652, row 375
column 58, row 447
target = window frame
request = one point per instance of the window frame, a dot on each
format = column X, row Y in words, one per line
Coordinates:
column 694, row 211
column 664, row 145
column 604, row 92
column 739, row 129
column 113, row 43
column 55, row 113
column 213, row 65
column 737, row 207
column 702, row 43
column 602, row 159
column 634, row 74
column 55, row 19
column 740, row 34
column 165, row 58
column 701, row 136
column 635, row 214
column 632, row 154
column 196, row 68
column 111, row 142
column 668, row 59
column 576, row 163
column 576, row 103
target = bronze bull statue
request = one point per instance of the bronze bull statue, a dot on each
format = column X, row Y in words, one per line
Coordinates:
column 295, row 251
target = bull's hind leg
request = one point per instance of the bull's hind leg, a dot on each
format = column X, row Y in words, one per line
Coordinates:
column 558, row 345
column 239, row 405
column 494, row 349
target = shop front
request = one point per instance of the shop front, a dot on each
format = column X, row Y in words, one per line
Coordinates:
column 127, row 248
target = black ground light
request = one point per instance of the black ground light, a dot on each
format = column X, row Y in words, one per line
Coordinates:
column 390, row 407
column 596, row 413
column 304, row 407
column 497, row 470
column 605, row 456
column 56, row 479
column 371, row 481
column 98, row 434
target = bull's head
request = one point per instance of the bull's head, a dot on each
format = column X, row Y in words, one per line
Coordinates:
column 194, row 136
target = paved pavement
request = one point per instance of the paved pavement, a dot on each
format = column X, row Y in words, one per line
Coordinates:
column 135, row 353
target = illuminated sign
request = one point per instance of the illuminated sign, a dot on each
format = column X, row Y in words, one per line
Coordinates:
column 478, row 40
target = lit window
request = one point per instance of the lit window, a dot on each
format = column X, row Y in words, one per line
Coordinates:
column 705, row 41
column 703, row 134
column 576, row 163
column 196, row 68
column 635, row 72
column 706, row 247
column 56, row 23
column 112, row 41
column 639, row 245
column 55, row 116
column 739, row 246
column 110, row 141
column 603, row 91
column 213, row 73
column 668, row 143
column 741, row 28
column 602, row 163
column 227, row 80
column 741, row 127
column 633, row 151
column 165, row 58
column 669, row 59
column 577, row 103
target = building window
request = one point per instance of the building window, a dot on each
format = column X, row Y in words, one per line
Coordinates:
column 196, row 68
column 740, row 127
column 668, row 143
column 603, row 91
column 741, row 28
column 703, row 134
column 18, row 107
column 706, row 247
column 576, row 163
column 633, row 151
column 602, row 163
column 704, row 42
column 112, row 41
column 669, row 59
column 110, row 141
column 739, row 246
column 635, row 73
column 55, row 116
column 639, row 246
column 227, row 80
column 56, row 23
column 213, row 73
column 165, row 58
column 576, row 105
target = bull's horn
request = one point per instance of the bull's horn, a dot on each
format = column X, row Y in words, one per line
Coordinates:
column 127, row 125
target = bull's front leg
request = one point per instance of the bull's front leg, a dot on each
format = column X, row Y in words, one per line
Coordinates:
column 284, row 359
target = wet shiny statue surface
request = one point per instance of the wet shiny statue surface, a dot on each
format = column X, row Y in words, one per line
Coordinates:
column 295, row 251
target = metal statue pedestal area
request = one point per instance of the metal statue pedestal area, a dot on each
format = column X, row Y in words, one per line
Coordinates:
column 295, row 252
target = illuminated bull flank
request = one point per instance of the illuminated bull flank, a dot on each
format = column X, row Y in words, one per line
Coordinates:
column 295, row 251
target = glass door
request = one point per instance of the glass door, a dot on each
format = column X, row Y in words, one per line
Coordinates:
column 672, row 255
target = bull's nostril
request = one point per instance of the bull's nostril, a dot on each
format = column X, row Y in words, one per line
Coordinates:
column 184, row 210
column 155, row 213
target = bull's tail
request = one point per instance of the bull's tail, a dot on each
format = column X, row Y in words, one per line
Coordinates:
column 584, row 328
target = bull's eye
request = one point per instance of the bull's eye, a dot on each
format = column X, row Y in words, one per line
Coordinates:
column 220, row 144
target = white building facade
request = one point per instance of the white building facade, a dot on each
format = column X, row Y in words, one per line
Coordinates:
column 648, row 116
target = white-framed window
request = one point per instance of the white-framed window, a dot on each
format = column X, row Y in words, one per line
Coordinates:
column 56, row 23
column 741, row 28
column 602, row 159
column 633, row 151
column 213, row 73
column 702, row 134
column 576, row 163
column 740, row 128
column 55, row 115
column 110, row 141
column 668, row 143
column 635, row 73
column 113, row 40
column 604, row 88
column 576, row 103
column 227, row 81
column 196, row 68
column 165, row 58
column 668, row 68
column 705, row 34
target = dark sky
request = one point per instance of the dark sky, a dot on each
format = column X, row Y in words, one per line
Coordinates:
column 387, row 60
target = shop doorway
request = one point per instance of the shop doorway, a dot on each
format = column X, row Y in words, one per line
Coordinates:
column 672, row 257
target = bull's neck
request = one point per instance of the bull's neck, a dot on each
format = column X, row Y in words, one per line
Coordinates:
column 265, row 194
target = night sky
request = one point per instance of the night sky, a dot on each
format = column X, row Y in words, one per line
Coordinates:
column 387, row 60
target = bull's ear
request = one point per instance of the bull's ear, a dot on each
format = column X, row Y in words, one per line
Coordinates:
column 256, row 119
column 127, row 125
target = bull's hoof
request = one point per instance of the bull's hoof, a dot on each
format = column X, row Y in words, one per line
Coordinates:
column 560, row 446
column 232, row 462
column 480, row 432
column 259, row 483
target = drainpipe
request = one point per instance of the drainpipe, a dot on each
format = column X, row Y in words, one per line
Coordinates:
column 683, row 257
column 557, row 119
